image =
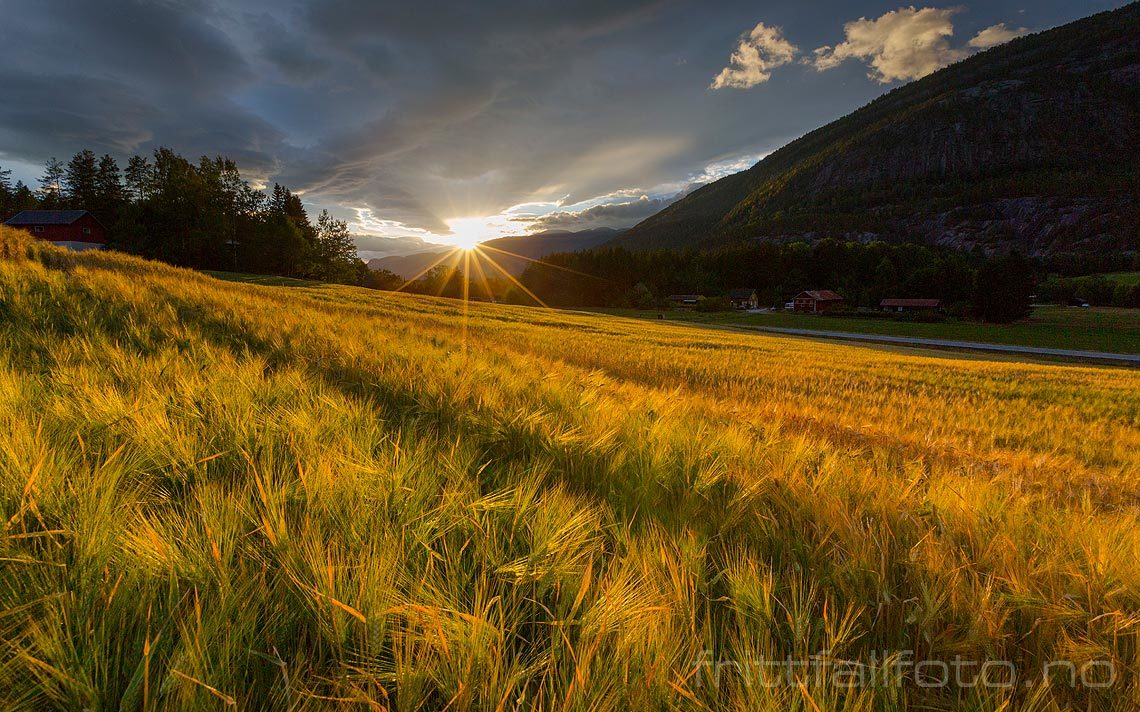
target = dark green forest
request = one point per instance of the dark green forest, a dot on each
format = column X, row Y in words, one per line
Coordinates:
column 201, row 215
column 1033, row 144
column 996, row 288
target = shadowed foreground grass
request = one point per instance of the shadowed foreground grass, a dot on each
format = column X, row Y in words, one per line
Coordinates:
column 227, row 495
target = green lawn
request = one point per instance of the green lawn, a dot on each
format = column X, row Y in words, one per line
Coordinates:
column 269, row 280
column 1097, row 329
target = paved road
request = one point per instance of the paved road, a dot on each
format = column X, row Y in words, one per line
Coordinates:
column 1092, row 356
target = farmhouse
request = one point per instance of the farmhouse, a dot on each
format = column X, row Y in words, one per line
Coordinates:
column 684, row 301
column 743, row 298
column 817, row 300
column 76, row 229
column 910, row 305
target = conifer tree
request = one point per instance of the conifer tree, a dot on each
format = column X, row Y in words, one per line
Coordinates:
column 108, row 184
column 79, row 180
column 140, row 178
column 51, row 183
column 5, row 192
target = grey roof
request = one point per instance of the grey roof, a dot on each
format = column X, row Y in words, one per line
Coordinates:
column 741, row 293
column 45, row 217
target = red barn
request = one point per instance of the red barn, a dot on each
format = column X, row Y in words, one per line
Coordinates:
column 77, row 229
column 816, row 300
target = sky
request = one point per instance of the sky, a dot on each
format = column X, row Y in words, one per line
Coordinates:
column 435, row 122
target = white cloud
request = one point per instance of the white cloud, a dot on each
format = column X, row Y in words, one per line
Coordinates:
column 619, row 208
column 902, row 44
column 758, row 53
column 618, row 215
column 995, row 35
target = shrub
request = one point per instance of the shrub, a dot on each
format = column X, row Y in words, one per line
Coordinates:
column 714, row 304
column 1004, row 289
column 15, row 244
column 1095, row 290
column 641, row 297
column 1126, row 295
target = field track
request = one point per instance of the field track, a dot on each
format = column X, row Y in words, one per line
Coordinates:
column 1072, row 354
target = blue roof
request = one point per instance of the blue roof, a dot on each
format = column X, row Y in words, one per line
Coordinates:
column 45, row 217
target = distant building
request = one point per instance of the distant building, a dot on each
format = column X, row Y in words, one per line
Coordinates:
column 743, row 298
column 817, row 300
column 76, row 229
column 684, row 301
column 910, row 305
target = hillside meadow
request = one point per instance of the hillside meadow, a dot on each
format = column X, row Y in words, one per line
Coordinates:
column 220, row 495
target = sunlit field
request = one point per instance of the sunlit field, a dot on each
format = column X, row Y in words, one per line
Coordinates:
column 1107, row 329
column 230, row 495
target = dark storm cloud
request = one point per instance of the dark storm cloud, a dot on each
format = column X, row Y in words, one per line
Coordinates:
column 286, row 49
column 532, row 27
column 167, row 46
column 380, row 164
column 46, row 115
column 123, row 77
column 416, row 113
column 462, row 90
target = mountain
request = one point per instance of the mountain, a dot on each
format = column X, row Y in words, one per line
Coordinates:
column 1033, row 145
column 406, row 266
column 533, row 247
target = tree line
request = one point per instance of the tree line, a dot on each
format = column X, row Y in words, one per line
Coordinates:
column 202, row 215
column 1096, row 290
column 992, row 288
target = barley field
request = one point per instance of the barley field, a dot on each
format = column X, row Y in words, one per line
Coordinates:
column 228, row 496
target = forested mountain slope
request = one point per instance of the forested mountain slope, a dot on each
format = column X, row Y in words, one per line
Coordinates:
column 1033, row 145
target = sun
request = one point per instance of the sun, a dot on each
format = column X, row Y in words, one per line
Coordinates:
column 467, row 233
column 465, row 242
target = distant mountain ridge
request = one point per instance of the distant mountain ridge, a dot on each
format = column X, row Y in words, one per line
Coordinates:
column 1033, row 145
column 534, row 247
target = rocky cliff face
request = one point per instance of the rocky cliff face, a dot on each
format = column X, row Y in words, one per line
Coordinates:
column 1033, row 225
column 1034, row 145
column 1038, row 225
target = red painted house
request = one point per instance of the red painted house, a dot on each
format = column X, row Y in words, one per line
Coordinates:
column 817, row 300
column 77, row 229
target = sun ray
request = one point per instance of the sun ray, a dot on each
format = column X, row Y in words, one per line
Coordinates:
column 453, row 264
column 517, row 283
column 466, row 294
column 483, row 282
column 539, row 262
column 429, row 268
